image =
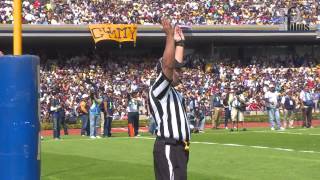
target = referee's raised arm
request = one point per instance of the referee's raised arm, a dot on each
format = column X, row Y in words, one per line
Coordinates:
column 160, row 88
column 168, row 58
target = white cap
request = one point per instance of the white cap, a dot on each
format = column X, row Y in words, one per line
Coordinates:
column 84, row 96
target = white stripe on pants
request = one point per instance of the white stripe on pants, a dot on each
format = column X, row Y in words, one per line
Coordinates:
column 169, row 162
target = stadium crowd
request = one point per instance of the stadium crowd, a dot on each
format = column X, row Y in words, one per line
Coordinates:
column 149, row 12
column 71, row 79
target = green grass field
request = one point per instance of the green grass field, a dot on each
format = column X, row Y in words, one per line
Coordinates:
column 256, row 154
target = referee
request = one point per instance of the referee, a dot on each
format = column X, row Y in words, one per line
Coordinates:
column 171, row 148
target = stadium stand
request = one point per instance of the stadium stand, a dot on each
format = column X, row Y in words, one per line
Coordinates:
column 75, row 76
column 149, row 12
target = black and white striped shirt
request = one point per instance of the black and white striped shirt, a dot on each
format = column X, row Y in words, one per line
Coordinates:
column 168, row 109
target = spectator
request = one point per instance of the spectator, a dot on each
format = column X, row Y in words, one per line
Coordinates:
column 227, row 96
column 94, row 115
column 238, row 104
column 306, row 98
column 217, row 106
column 133, row 112
column 109, row 109
column 289, row 105
column 84, row 114
column 272, row 104
column 62, row 115
column 55, row 109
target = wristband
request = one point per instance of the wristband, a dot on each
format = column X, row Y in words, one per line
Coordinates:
column 179, row 43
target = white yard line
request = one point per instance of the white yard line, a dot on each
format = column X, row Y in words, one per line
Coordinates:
column 309, row 151
column 283, row 149
column 235, row 145
column 314, row 134
column 285, row 132
column 204, row 143
column 260, row 147
column 278, row 132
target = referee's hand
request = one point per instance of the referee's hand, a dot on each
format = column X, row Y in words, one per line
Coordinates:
column 167, row 27
column 178, row 34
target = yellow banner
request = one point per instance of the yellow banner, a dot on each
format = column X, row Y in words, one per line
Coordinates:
column 115, row 32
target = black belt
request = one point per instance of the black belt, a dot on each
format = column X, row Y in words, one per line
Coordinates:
column 171, row 141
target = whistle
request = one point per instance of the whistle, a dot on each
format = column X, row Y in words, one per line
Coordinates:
column 186, row 146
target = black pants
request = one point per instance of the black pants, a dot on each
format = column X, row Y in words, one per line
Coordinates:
column 107, row 126
column 88, row 127
column 227, row 116
column 63, row 122
column 170, row 160
column 133, row 118
column 307, row 117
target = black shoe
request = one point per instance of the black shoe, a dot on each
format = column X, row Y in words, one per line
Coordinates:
column 231, row 129
column 244, row 129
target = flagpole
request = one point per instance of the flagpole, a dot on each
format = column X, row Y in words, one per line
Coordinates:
column 17, row 28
